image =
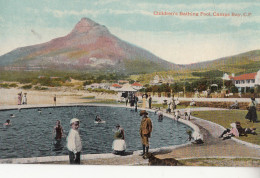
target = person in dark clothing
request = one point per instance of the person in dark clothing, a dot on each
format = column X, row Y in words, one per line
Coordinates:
column 150, row 102
column 252, row 115
column 136, row 102
column 250, row 131
column 58, row 130
column 126, row 101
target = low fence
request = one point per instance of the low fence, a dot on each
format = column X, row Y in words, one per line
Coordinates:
column 200, row 95
column 217, row 104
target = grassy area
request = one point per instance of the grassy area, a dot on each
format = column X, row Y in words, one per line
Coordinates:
column 225, row 118
column 245, row 162
column 88, row 97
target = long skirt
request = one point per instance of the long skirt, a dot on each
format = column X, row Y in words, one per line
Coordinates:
column 251, row 115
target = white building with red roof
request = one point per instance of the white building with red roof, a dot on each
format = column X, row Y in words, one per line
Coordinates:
column 137, row 86
column 244, row 81
column 115, row 87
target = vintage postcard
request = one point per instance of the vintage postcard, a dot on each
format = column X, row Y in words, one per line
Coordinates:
column 130, row 83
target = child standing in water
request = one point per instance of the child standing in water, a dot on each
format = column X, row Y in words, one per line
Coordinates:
column 58, row 130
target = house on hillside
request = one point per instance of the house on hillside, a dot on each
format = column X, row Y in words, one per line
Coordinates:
column 93, row 86
column 115, row 87
column 245, row 81
column 228, row 77
column 105, row 86
column 156, row 80
column 160, row 80
column 137, row 86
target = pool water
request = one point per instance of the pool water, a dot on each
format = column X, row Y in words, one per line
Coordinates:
column 30, row 134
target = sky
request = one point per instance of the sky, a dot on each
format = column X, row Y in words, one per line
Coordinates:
column 175, row 37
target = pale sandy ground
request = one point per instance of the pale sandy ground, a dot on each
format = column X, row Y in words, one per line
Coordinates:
column 64, row 95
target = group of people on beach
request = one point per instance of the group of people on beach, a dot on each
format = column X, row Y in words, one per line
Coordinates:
column 22, row 98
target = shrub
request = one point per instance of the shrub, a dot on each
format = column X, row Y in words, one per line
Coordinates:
column 4, row 85
column 40, row 88
column 27, row 87
column 14, row 85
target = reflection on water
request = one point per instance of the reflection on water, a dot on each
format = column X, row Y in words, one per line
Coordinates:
column 30, row 134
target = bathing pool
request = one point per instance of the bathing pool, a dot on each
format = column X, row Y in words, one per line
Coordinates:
column 30, row 134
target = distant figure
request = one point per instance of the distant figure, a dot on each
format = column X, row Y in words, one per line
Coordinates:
column 177, row 115
column 98, row 119
column 119, row 145
column 234, row 106
column 168, row 110
column 58, row 130
column 144, row 101
column 19, row 98
column 160, row 115
column 150, row 102
column 251, row 115
column 173, row 104
column 145, row 131
column 136, row 102
column 54, row 99
column 39, row 111
column 189, row 132
column 126, row 101
column 177, row 102
column 198, row 138
column 7, row 122
column 192, row 103
column 187, row 113
column 74, row 142
column 24, row 100
column 132, row 100
column 12, row 115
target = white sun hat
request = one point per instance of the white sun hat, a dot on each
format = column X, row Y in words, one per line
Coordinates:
column 233, row 125
column 74, row 120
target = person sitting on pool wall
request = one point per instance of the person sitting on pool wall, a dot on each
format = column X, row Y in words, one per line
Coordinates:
column 119, row 145
column 74, row 142
column 145, row 131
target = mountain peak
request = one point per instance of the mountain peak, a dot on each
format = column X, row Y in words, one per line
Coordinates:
column 84, row 25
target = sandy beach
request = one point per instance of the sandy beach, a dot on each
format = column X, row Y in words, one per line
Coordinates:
column 64, row 96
